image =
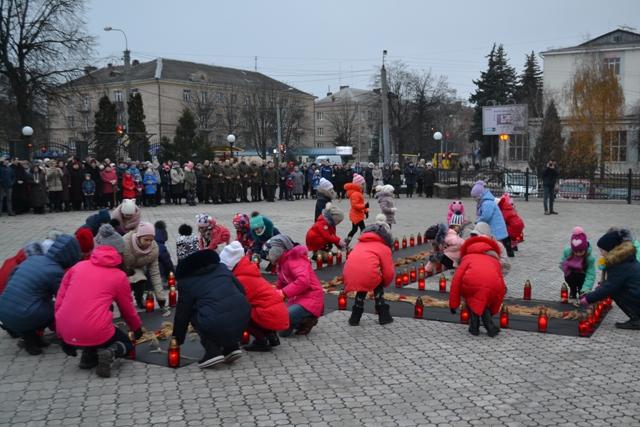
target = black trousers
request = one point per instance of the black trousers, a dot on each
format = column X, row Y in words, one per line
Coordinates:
column 507, row 245
column 575, row 280
column 355, row 227
column 123, row 344
column 446, row 262
column 429, row 191
column 419, row 188
column 378, row 295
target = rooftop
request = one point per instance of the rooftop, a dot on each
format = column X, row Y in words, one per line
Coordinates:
column 619, row 38
column 350, row 94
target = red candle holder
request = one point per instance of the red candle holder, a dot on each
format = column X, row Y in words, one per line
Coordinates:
column 421, row 271
column 527, row 290
column 173, row 296
column 564, row 294
column 583, row 327
column 421, row 284
column 464, row 315
column 504, row 317
column 412, row 241
column 404, row 242
column 319, row 262
column 405, row 277
column 398, row 280
column 171, row 281
column 342, row 301
column 396, row 245
column 543, row 321
column 329, row 259
column 339, row 257
column 419, row 239
column 597, row 311
column 418, row 310
column 173, row 354
column 439, row 268
column 149, row 303
column 442, row 284
column 413, row 275
column 132, row 354
column 245, row 337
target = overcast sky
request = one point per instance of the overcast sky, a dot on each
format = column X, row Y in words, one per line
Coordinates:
column 328, row 43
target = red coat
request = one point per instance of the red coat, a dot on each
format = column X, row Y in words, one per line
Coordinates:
column 370, row 264
column 299, row 282
column 479, row 276
column 267, row 306
column 8, row 266
column 128, row 187
column 515, row 225
column 219, row 235
column 358, row 207
column 108, row 177
column 321, row 234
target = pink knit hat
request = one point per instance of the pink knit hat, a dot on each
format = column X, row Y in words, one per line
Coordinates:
column 145, row 229
column 579, row 240
column 358, row 179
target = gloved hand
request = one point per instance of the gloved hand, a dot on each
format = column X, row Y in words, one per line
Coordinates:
column 366, row 205
column 452, row 310
column 583, row 301
column 137, row 334
column 282, row 295
column 69, row 350
column 342, row 244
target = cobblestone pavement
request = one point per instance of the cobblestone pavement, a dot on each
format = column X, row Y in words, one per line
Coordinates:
column 406, row 373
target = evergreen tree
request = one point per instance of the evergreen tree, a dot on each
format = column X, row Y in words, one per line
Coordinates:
column 496, row 85
column 182, row 148
column 550, row 144
column 105, row 129
column 529, row 88
column 137, row 130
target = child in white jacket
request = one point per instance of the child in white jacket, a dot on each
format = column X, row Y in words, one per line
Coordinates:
column 384, row 194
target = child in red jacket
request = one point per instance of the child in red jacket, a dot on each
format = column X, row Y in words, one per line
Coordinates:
column 268, row 310
column 480, row 282
column 241, row 223
column 370, row 268
column 515, row 225
column 212, row 234
column 359, row 209
column 322, row 234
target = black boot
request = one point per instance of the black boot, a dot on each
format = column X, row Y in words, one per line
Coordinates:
column 258, row 345
column 383, row 314
column 356, row 314
column 306, row 325
column 487, row 321
column 89, row 359
column 474, row 324
column 31, row 345
column 41, row 342
column 105, row 360
column 273, row 339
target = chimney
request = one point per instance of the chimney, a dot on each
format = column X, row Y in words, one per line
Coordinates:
column 329, row 94
column 344, row 87
column 135, row 62
column 109, row 65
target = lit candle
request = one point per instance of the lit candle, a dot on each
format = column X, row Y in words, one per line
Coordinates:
column 319, row 262
column 418, row 310
column 171, row 281
column 564, row 294
column 404, row 242
column 412, row 241
column 442, row 284
column 149, row 302
column 173, row 296
column 421, row 284
column 413, row 275
column 527, row 290
column 504, row 317
column 396, row 244
column 245, row 337
column 464, row 315
column 329, row 258
column 173, row 357
column 342, row 301
column 583, row 326
column 339, row 257
column 543, row 321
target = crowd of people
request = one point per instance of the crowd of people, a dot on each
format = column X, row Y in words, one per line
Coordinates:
column 223, row 293
column 59, row 185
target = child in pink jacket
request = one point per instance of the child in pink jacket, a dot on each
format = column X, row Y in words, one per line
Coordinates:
column 83, row 310
column 298, row 283
column 453, row 242
column 212, row 234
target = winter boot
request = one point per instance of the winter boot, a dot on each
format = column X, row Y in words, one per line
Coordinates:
column 306, row 325
column 41, row 342
column 474, row 324
column 105, row 360
column 356, row 314
column 258, row 345
column 383, row 314
column 273, row 339
column 487, row 321
column 31, row 345
column 89, row 359
column 631, row 324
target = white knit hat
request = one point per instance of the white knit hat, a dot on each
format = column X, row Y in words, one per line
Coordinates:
column 388, row 188
column 325, row 184
column 232, row 254
column 128, row 207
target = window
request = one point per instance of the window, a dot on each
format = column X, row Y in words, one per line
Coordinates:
column 219, row 119
column 319, row 145
column 370, row 114
column 205, row 122
column 120, row 118
column 186, row 95
column 247, row 100
column 219, row 97
column 320, row 132
column 117, row 96
column 86, row 102
column 519, row 148
column 134, row 91
column 86, row 124
column 318, row 115
column 614, row 148
column 72, row 121
column 203, row 97
column 613, row 64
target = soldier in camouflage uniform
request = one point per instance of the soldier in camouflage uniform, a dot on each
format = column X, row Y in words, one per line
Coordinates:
column 207, row 190
column 228, row 177
column 243, row 171
column 217, row 182
column 255, row 178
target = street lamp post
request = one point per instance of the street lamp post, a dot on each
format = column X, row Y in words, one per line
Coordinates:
column 438, row 137
column 231, row 138
column 27, row 133
column 127, row 75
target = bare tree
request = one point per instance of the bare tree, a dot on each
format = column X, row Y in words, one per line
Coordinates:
column 258, row 113
column 291, row 120
column 202, row 105
column 42, row 44
column 343, row 121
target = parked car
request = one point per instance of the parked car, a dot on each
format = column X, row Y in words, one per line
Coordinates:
column 575, row 189
column 515, row 183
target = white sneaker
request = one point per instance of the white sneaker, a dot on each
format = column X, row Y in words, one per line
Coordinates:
column 210, row 362
column 233, row 356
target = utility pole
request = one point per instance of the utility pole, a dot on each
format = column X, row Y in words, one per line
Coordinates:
column 386, row 147
column 279, row 126
column 255, row 63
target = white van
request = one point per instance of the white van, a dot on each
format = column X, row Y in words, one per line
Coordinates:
column 333, row 159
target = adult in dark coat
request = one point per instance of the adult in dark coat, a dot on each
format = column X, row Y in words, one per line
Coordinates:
column 76, row 177
column 213, row 301
column 270, row 178
column 26, row 305
column 420, row 179
column 282, row 176
column 396, row 179
column 339, row 180
column 165, row 182
column 66, row 185
column 429, row 180
column 368, row 178
column 20, row 187
column 37, row 181
column 410, row 176
column 622, row 281
column 549, row 179
column 92, row 169
column 386, row 175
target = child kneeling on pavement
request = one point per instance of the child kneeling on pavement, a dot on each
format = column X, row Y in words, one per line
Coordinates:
column 297, row 282
column 214, row 302
column 268, row 311
column 369, row 267
column 480, row 281
column 622, row 281
column 83, row 307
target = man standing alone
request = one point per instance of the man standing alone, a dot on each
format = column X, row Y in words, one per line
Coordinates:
column 549, row 179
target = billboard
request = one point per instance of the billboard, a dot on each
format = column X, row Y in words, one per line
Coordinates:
column 509, row 119
column 344, row 151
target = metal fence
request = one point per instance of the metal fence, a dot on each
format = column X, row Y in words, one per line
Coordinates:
column 525, row 184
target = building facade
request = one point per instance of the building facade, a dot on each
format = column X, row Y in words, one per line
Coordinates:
column 215, row 95
column 350, row 117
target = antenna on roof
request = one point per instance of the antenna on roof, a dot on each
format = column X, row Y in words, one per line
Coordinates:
column 255, row 63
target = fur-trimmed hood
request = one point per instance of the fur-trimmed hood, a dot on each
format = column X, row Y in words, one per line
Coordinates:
column 621, row 253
